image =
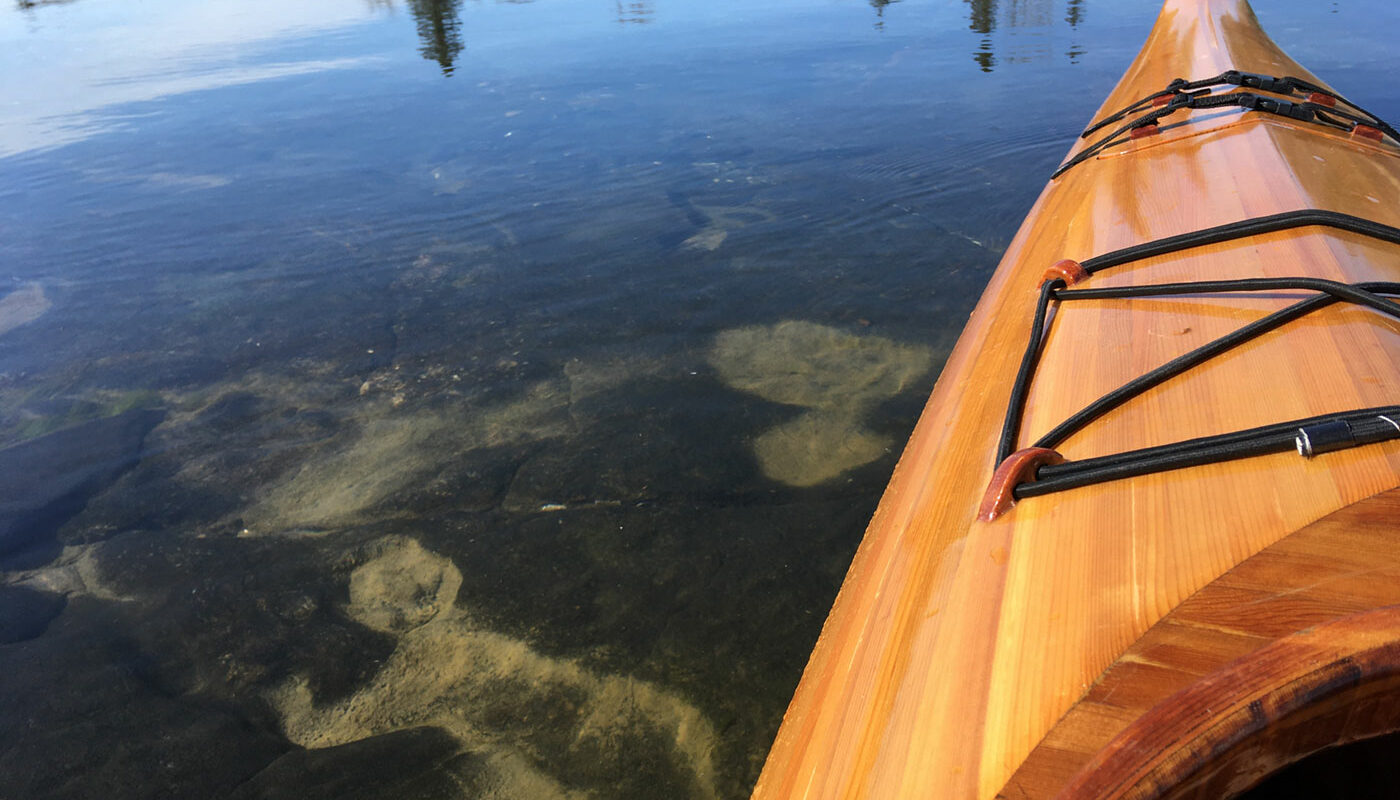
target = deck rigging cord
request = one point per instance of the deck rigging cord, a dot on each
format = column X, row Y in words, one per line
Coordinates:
column 1311, row 436
column 1286, row 85
column 1320, row 106
column 1038, row 470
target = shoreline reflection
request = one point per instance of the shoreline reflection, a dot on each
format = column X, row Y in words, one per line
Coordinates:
column 440, row 38
column 986, row 16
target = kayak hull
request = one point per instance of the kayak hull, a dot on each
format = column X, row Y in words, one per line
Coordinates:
column 956, row 644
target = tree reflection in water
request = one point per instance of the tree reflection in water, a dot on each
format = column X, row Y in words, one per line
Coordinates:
column 983, row 19
column 879, row 6
column 439, row 30
column 440, row 25
column 25, row 5
column 1074, row 14
column 637, row 11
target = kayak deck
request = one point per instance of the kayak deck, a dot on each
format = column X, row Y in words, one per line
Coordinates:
column 956, row 644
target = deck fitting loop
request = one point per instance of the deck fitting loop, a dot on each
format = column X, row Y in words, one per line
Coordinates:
column 1368, row 132
column 1019, row 467
column 1364, row 426
column 1067, row 270
column 1144, row 131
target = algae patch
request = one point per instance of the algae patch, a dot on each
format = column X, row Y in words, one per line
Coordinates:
column 22, row 307
column 838, row 376
column 546, row 726
column 395, row 451
column 816, row 447
column 402, row 588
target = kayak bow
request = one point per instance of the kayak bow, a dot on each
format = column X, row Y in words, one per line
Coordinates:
column 1130, row 551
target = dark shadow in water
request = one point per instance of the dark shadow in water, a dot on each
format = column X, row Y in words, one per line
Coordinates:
column 26, row 613
column 440, row 30
column 47, row 480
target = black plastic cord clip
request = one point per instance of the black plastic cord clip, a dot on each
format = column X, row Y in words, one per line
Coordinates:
column 1271, row 105
column 1325, row 437
column 1264, row 83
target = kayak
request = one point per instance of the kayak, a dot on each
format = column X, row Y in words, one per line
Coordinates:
column 1141, row 542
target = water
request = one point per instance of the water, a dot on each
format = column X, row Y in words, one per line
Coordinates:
column 485, row 399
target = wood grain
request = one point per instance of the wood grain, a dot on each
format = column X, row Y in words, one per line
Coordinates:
column 1333, row 684
column 1270, row 660
column 955, row 645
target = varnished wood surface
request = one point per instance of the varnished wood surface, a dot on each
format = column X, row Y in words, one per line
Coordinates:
column 1333, row 684
column 955, row 645
column 1343, row 565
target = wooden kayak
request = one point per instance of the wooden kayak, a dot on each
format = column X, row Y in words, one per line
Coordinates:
column 1198, row 583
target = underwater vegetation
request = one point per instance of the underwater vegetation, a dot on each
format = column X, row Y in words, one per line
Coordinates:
column 836, row 376
column 398, row 566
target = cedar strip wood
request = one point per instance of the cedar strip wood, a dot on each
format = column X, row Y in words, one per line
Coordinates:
column 1261, row 667
column 955, row 645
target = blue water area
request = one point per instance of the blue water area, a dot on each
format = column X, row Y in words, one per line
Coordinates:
column 456, row 398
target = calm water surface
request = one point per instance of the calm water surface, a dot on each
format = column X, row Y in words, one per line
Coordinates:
column 484, row 399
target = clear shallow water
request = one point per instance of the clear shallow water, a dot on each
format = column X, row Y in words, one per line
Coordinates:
column 485, row 399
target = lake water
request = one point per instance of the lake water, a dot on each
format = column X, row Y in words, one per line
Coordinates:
column 485, row 399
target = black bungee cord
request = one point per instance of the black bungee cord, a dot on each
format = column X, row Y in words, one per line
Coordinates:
column 1038, row 475
column 1320, row 106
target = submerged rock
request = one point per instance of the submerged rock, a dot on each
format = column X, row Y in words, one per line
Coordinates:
column 45, row 481
column 25, row 613
column 719, row 221
column 402, row 765
column 707, row 239
column 87, row 714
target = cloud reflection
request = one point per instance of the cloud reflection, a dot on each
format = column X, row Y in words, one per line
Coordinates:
column 104, row 57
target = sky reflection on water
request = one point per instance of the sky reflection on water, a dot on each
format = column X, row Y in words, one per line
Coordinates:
column 110, row 56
